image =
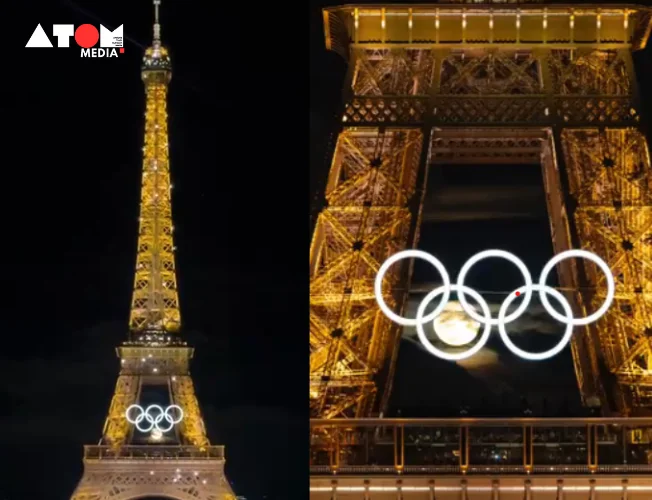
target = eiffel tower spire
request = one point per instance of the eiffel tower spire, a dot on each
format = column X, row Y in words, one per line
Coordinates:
column 157, row 26
column 155, row 304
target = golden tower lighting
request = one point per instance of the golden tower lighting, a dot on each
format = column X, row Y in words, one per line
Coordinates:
column 129, row 463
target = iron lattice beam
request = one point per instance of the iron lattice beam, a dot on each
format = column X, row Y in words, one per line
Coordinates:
column 155, row 303
column 579, row 94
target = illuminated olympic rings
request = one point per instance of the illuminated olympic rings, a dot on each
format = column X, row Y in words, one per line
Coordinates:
column 485, row 318
column 154, row 415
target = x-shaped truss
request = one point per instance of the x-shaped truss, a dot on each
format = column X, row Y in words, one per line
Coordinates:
column 372, row 179
column 610, row 178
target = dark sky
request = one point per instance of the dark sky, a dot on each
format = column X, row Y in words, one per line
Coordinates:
column 468, row 209
column 72, row 138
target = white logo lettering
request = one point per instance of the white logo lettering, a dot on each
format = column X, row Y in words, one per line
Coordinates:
column 39, row 39
column 111, row 38
column 63, row 32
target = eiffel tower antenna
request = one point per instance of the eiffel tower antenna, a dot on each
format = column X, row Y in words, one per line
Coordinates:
column 157, row 26
column 142, row 452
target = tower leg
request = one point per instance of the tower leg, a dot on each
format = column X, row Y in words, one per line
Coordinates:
column 370, row 215
column 193, row 425
column 116, row 427
column 610, row 182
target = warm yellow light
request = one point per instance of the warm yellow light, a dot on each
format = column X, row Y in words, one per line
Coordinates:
column 454, row 327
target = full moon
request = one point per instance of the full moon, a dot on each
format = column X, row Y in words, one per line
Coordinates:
column 454, row 327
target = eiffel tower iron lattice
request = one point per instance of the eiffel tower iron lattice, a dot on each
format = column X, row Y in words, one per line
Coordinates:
column 180, row 464
column 481, row 81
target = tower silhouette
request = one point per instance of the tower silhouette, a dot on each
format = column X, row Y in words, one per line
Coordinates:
column 154, row 441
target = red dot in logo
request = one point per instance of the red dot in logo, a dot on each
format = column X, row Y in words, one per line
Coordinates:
column 86, row 36
column 518, row 293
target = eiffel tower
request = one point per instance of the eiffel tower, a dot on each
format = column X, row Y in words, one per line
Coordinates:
column 141, row 453
column 484, row 82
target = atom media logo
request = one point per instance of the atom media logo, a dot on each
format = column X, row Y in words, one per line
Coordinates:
column 86, row 36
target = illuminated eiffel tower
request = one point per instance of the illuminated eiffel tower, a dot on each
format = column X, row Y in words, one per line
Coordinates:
column 546, row 83
column 484, row 82
column 134, row 461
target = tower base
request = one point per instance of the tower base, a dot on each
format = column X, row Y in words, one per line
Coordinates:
column 132, row 472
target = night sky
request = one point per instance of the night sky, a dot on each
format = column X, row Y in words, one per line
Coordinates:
column 468, row 209
column 72, row 137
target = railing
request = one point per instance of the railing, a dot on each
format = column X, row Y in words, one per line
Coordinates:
column 132, row 452
column 481, row 446
column 485, row 110
column 391, row 110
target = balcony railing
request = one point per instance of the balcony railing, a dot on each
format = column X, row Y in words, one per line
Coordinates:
column 481, row 446
column 92, row 453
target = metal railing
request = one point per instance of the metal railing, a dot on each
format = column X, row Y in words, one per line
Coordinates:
column 134, row 452
column 481, row 446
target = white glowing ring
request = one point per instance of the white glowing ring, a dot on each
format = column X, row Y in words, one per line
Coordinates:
column 154, row 419
column 539, row 356
column 446, row 288
column 420, row 322
column 507, row 256
column 611, row 286
column 406, row 254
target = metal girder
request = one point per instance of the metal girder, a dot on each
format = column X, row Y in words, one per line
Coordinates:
column 584, row 94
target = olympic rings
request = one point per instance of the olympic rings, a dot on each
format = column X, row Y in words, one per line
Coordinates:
column 505, row 255
column 550, row 352
column 611, row 285
column 417, row 254
column 446, row 288
column 156, row 419
column 422, row 334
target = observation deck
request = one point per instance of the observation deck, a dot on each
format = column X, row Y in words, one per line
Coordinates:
column 155, row 470
column 513, row 458
column 148, row 453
